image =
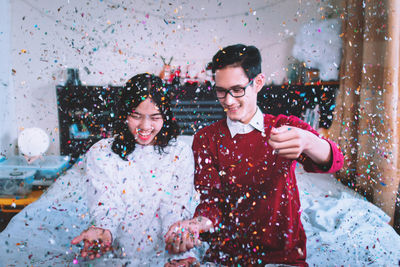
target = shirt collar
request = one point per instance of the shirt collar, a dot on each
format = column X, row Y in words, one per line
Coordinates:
column 236, row 127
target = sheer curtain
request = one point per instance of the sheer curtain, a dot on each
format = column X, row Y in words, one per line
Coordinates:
column 366, row 121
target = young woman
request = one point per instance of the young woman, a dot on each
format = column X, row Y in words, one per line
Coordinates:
column 141, row 180
column 133, row 187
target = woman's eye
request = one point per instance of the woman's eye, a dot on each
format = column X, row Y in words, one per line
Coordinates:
column 156, row 118
column 136, row 117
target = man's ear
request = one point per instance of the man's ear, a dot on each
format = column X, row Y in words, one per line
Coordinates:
column 259, row 81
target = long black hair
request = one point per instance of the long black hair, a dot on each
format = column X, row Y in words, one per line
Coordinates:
column 137, row 89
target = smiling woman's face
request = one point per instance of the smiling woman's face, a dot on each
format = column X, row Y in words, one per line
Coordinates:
column 145, row 122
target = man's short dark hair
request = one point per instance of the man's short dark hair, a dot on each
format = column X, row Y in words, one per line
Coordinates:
column 239, row 55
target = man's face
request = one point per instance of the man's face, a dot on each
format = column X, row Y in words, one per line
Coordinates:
column 241, row 108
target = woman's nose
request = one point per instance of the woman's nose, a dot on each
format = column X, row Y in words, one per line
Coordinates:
column 145, row 123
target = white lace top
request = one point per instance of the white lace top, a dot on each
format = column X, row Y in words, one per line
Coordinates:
column 137, row 200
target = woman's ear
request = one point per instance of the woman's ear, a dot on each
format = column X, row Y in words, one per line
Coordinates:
column 259, row 81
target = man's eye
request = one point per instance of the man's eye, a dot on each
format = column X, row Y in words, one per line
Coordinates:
column 237, row 90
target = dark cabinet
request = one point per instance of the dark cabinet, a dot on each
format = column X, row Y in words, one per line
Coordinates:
column 297, row 99
column 87, row 113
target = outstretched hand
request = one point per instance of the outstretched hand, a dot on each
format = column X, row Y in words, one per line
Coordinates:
column 188, row 262
column 184, row 235
column 97, row 241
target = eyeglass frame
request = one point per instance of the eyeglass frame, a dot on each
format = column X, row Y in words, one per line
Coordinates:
column 229, row 90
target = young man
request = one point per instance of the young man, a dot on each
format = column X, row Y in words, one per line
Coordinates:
column 245, row 173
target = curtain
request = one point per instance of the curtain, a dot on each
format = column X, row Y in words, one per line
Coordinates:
column 366, row 118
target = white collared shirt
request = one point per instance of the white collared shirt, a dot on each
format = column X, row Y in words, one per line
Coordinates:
column 237, row 127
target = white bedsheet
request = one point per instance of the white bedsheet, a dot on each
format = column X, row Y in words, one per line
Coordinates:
column 341, row 227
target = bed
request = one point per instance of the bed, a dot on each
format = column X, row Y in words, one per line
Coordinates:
column 342, row 228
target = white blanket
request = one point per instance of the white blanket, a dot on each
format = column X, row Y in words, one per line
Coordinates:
column 341, row 227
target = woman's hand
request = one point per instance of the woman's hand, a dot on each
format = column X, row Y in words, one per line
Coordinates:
column 188, row 262
column 97, row 241
column 184, row 235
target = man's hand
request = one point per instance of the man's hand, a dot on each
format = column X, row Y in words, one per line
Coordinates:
column 97, row 241
column 290, row 142
column 184, row 235
column 188, row 262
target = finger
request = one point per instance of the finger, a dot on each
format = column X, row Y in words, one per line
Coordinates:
column 171, row 239
column 171, row 230
column 281, row 129
column 106, row 244
column 105, row 249
column 188, row 261
column 170, row 247
column 290, row 151
column 284, row 136
column 86, row 248
column 83, row 254
column 189, row 245
column 274, row 145
column 104, row 235
column 179, row 263
column 278, row 130
column 171, row 263
column 93, row 254
column 290, row 156
column 191, row 261
column 177, row 244
column 189, row 241
column 174, row 247
column 290, row 144
column 198, row 242
column 182, row 247
column 78, row 239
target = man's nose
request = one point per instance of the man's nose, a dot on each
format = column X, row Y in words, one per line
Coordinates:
column 229, row 99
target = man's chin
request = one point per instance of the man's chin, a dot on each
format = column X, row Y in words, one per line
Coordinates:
column 233, row 117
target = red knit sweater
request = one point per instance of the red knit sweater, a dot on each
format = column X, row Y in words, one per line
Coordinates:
column 251, row 195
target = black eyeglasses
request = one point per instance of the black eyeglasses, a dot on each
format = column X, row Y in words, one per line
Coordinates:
column 236, row 91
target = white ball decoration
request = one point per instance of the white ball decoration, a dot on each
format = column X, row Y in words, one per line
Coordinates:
column 33, row 142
